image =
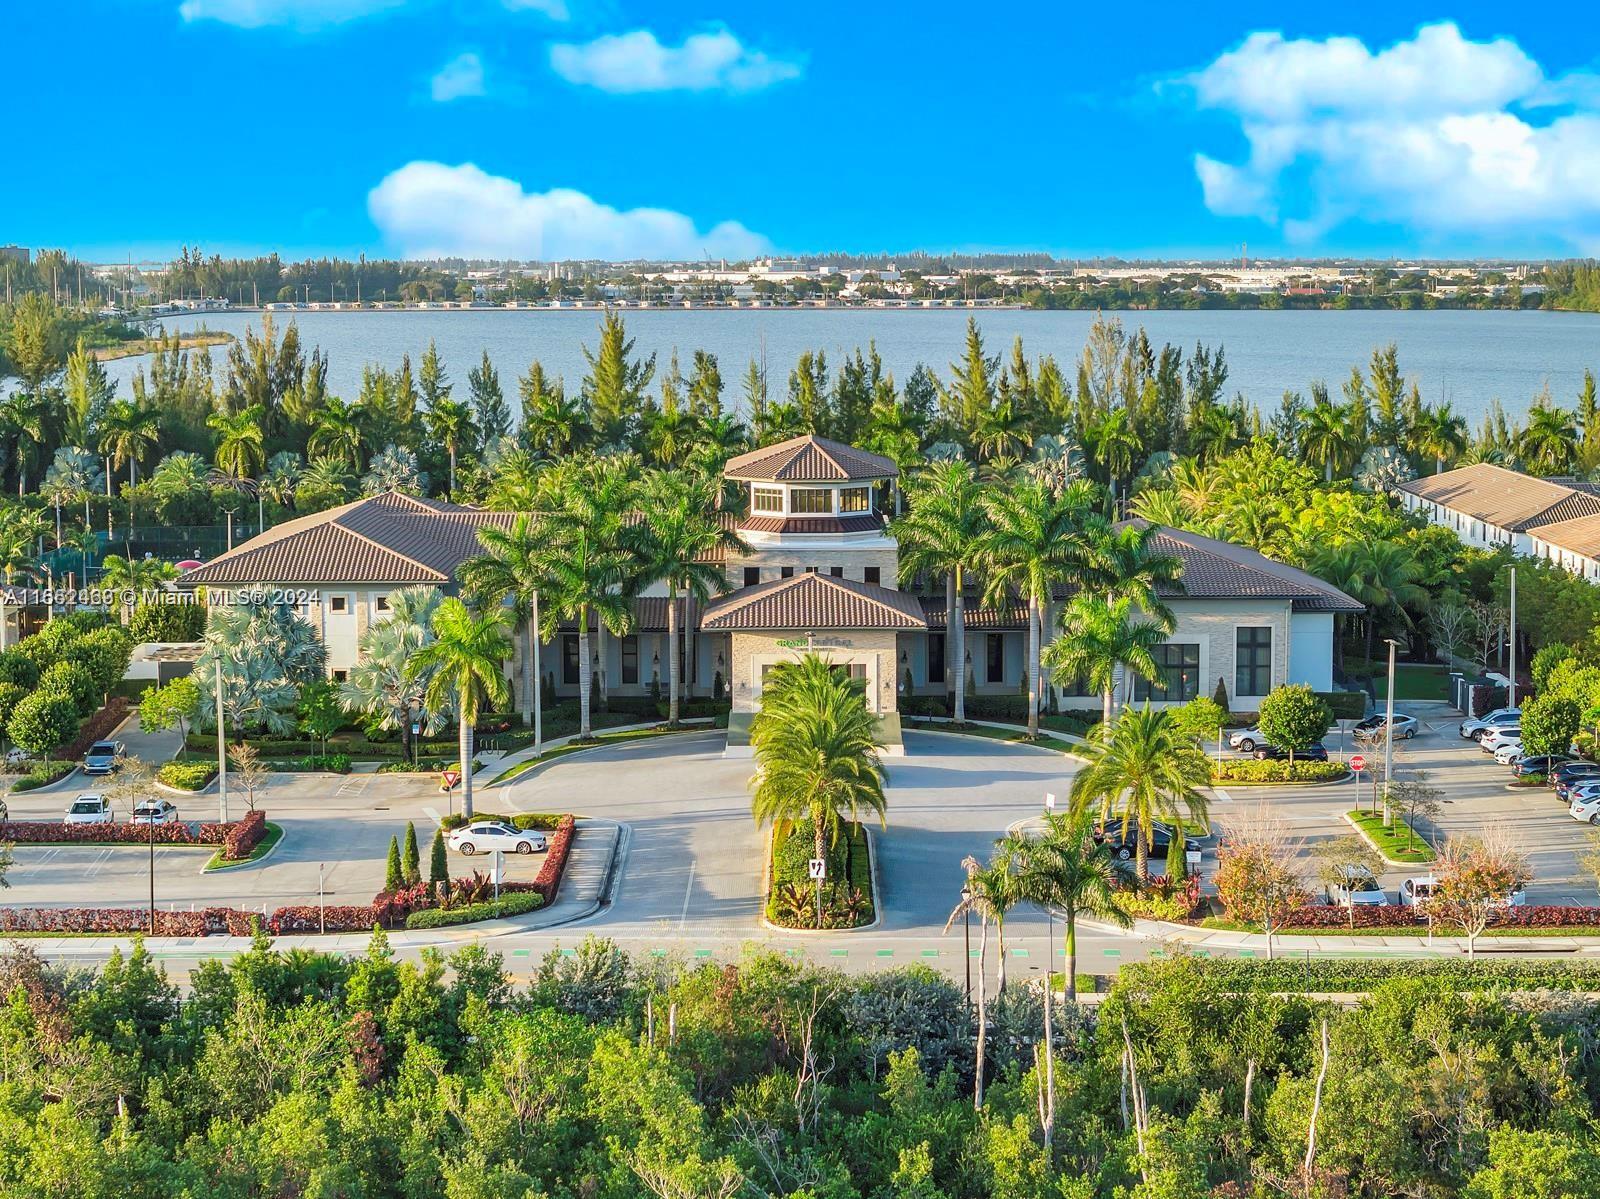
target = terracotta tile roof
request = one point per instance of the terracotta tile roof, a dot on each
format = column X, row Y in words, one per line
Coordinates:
column 1506, row 498
column 809, row 459
column 387, row 538
column 1580, row 535
column 973, row 616
column 812, row 602
column 864, row 522
column 1215, row 569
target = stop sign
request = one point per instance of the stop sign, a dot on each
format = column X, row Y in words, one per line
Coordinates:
column 1357, row 762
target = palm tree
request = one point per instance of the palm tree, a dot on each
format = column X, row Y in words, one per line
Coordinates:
column 1550, row 441
column 1439, row 434
column 1037, row 537
column 1114, row 442
column 554, row 423
column 1381, row 574
column 1327, row 437
column 1097, row 637
column 25, row 412
column 1215, row 434
column 450, row 421
column 241, row 444
column 467, row 657
column 1073, row 873
column 127, row 433
column 816, row 752
column 383, row 686
column 1001, row 432
column 1142, row 770
column 512, row 567
column 675, row 545
column 939, row 535
column 73, row 474
column 324, row 483
column 585, row 577
column 338, row 433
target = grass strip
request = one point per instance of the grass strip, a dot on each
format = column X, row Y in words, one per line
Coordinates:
column 1400, row 844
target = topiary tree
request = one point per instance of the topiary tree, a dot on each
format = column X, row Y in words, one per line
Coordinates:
column 1549, row 723
column 174, row 704
column 393, row 875
column 438, row 864
column 74, row 682
column 42, row 721
column 167, row 622
column 1294, row 717
column 17, row 667
column 410, row 863
column 1199, row 718
column 1220, row 695
column 104, row 653
column 1545, row 660
column 10, row 696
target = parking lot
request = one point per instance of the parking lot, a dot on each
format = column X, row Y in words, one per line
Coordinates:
column 1476, row 797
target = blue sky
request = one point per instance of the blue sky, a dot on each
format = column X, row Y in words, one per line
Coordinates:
column 576, row 128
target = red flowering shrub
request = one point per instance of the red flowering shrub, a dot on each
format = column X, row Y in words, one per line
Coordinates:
column 100, row 920
column 555, row 862
column 97, row 727
column 243, row 836
column 42, row 832
column 336, row 918
column 1336, row 915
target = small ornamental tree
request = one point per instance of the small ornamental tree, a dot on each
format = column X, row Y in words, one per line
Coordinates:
column 1475, row 877
column 319, row 712
column 42, row 721
column 393, row 875
column 249, row 771
column 1199, row 718
column 74, row 682
column 172, row 705
column 1220, row 695
column 1294, row 717
column 1549, row 723
column 1546, row 660
column 1340, row 857
column 16, row 667
column 1258, row 872
column 10, row 696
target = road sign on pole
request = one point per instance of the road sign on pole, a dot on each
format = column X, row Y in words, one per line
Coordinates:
column 817, row 869
column 451, row 778
column 1050, row 800
column 1357, row 763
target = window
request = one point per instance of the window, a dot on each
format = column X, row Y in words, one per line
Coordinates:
column 994, row 646
column 786, row 572
column 338, row 603
column 1075, row 687
column 873, row 574
column 381, row 603
column 811, row 499
column 569, row 659
column 936, row 652
column 766, row 499
column 1252, row 662
column 855, row 499
column 752, row 575
column 811, row 570
column 1180, row 675
column 340, row 676
column 630, row 658
column 836, row 571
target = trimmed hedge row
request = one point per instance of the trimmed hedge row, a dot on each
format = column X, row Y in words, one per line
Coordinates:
column 186, row 776
column 237, row 837
column 242, row 836
column 1361, row 974
column 1389, row 915
column 546, row 821
column 1268, row 770
column 495, row 909
column 548, row 880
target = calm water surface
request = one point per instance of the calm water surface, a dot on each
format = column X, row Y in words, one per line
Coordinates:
column 1470, row 358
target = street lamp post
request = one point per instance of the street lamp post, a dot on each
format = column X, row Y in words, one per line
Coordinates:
column 966, row 906
column 222, row 748
column 1388, row 739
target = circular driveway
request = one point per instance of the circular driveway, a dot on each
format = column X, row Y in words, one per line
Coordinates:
column 693, row 856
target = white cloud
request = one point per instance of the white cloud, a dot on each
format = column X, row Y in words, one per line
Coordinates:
column 639, row 62
column 304, row 15
column 458, row 79
column 1437, row 133
column 434, row 210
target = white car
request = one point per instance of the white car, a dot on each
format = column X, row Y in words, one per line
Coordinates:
column 1417, row 890
column 1358, row 888
column 1508, row 752
column 486, row 836
column 1495, row 738
column 154, row 811
column 89, row 808
column 1490, row 720
column 1246, row 740
column 1585, row 806
column 17, row 756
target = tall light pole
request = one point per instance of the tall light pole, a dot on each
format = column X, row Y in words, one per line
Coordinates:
column 1511, row 675
column 538, row 683
column 222, row 747
column 1388, row 739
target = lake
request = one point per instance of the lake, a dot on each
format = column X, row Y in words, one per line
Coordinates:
column 1469, row 358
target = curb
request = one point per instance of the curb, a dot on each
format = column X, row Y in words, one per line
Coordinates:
column 170, row 790
column 538, row 767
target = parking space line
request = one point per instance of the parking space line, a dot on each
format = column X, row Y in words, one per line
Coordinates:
column 433, row 815
column 688, row 890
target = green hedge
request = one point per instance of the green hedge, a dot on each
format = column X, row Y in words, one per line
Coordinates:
column 518, row 903
column 186, row 776
column 42, row 774
column 544, row 821
column 1252, row 770
column 329, row 763
column 1362, row 974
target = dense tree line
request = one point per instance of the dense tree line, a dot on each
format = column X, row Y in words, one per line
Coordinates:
column 305, row 1074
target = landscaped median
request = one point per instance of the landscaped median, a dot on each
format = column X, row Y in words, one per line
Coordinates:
column 847, row 891
column 1267, row 771
column 421, row 905
column 1399, row 845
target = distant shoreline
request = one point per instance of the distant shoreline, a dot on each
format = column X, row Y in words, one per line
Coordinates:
column 140, row 346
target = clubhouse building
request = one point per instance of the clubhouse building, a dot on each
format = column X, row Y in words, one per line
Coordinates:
column 818, row 571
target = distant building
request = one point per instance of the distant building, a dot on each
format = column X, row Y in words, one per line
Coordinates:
column 17, row 254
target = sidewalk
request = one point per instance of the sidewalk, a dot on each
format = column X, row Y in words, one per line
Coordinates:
column 1333, row 944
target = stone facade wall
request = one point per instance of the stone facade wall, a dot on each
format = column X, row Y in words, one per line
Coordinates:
column 771, row 559
column 876, row 649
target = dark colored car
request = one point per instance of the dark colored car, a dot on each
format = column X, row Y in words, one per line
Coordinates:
column 1538, row 764
column 1124, row 846
column 1578, row 768
column 1312, row 753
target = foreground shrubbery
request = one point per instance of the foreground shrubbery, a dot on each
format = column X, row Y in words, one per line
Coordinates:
column 186, row 776
column 1268, row 770
column 300, row 1073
